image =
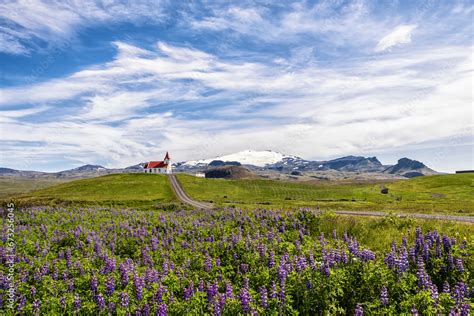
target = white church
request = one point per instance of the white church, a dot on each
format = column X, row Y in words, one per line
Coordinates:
column 163, row 166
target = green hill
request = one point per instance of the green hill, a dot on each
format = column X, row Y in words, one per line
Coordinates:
column 430, row 194
column 117, row 189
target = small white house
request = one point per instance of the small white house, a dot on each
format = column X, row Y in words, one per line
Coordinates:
column 159, row 166
column 200, row 174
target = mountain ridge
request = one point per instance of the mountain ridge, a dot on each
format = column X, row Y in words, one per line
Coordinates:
column 256, row 161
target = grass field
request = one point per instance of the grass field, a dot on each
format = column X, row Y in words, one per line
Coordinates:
column 131, row 190
column 448, row 194
column 9, row 186
column 431, row 194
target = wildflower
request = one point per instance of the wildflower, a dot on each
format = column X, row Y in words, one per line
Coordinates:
column 271, row 259
column 93, row 284
column 162, row 310
column 124, row 299
column 359, row 311
column 110, row 285
column 245, row 299
column 189, row 291
column 263, row 297
column 228, row 290
column 100, row 301
column 384, row 296
column 77, row 302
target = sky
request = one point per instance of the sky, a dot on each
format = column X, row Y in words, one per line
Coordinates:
column 117, row 83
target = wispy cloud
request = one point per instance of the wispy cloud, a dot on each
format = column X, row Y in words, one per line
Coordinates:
column 26, row 21
column 400, row 35
column 316, row 80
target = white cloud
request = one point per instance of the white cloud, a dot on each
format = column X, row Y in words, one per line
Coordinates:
column 57, row 20
column 400, row 35
column 309, row 110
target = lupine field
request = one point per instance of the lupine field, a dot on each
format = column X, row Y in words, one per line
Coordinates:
column 99, row 261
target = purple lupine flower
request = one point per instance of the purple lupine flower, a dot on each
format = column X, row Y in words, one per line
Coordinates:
column 138, row 284
column 162, row 310
column 146, row 260
column 109, row 265
column 282, row 272
column 334, row 234
column 37, row 306
column 151, row 275
column 112, row 307
column 201, row 286
column 263, row 297
column 459, row 265
column 77, row 302
column 218, row 262
column 390, row 260
column 271, row 259
column 423, row 278
column 446, row 244
column 450, row 261
column 384, row 295
column 345, row 237
column 309, row 285
column 426, row 252
column 367, row 255
column 282, row 295
column 261, row 251
column 124, row 299
column 273, row 290
column 414, row 311
column 301, row 264
column 325, row 269
column 446, row 287
column 62, row 302
column 439, row 251
column 100, row 301
column 359, row 310
column 33, row 291
column 189, row 291
column 123, row 269
column 110, row 285
column 70, row 286
column 312, row 263
column 229, row 293
column 465, row 309
column 245, row 299
column 212, row 290
column 208, row 263
column 434, row 292
column 145, row 309
column 68, row 258
column 93, row 284
column 21, row 303
column 158, row 296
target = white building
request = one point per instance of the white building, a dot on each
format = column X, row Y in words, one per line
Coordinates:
column 159, row 166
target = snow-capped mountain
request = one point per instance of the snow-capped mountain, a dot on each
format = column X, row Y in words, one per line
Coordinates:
column 246, row 157
column 269, row 160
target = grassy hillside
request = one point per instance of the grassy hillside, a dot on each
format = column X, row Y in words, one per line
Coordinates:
column 117, row 189
column 10, row 185
column 440, row 194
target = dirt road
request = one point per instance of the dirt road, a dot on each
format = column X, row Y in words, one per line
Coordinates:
column 183, row 197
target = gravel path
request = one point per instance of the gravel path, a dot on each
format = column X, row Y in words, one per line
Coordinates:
column 183, row 197
column 178, row 190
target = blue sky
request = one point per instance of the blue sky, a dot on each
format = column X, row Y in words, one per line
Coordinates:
column 117, row 83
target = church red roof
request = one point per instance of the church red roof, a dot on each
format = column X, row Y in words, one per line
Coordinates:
column 156, row 164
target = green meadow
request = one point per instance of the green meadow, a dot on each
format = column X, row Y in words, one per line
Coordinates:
column 445, row 194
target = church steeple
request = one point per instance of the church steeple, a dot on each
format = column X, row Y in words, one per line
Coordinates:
column 167, row 158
